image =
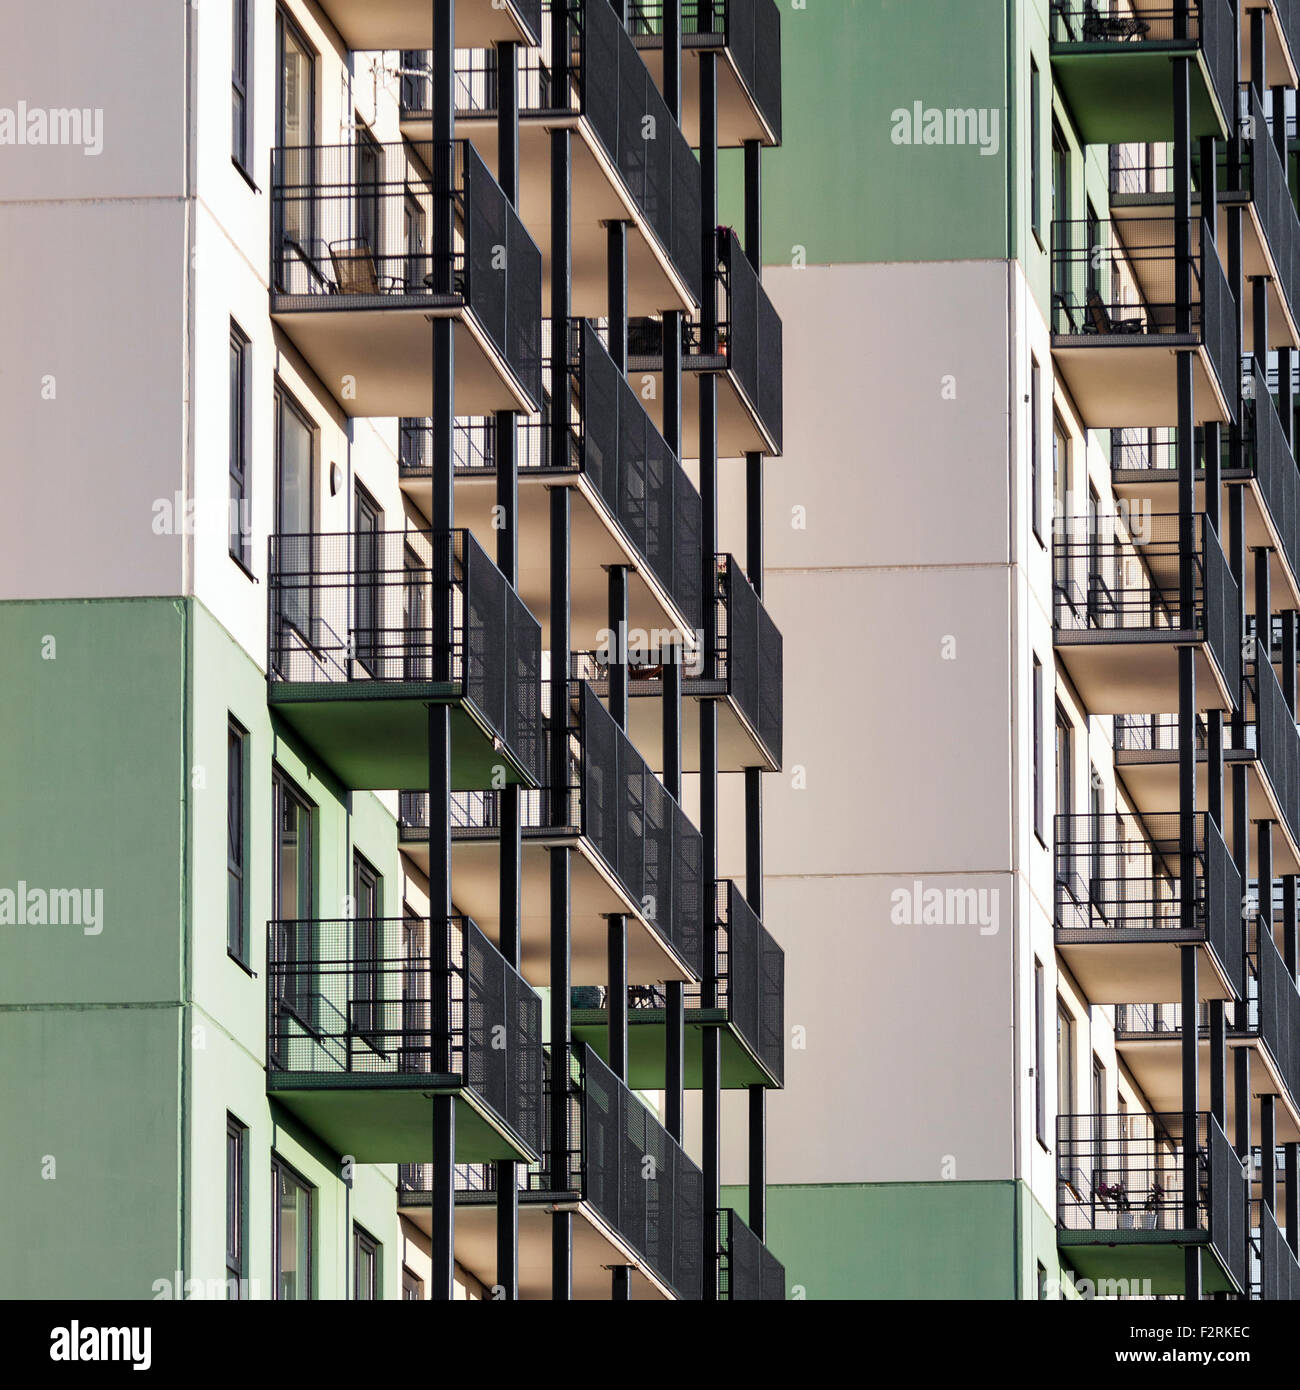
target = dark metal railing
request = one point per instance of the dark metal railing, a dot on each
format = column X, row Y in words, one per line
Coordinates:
column 1118, row 576
column 1206, row 24
column 1274, row 464
column 406, row 997
column 409, row 225
column 750, row 30
column 1278, row 1005
column 609, row 83
column 407, row 607
column 750, row 655
column 1277, row 742
column 1272, row 198
column 1116, row 874
column 747, row 1269
column 1279, row 1268
column 621, row 1160
column 750, row 334
column 750, row 980
column 1119, row 282
column 607, row 794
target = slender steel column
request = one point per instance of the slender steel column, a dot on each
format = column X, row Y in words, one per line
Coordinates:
column 1286, row 394
column 620, row 1290
column 754, row 839
column 619, row 657
column 754, row 203
column 673, row 57
column 508, row 120
column 442, row 1272
column 1292, row 1196
column 1241, row 1102
column 1191, row 1110
column 616, row 996
column 1258, row 55
column 672, row 351
column 1214, row 765
column 1289, row 953
column 1289, row 656
column 1182, row 173
column 754, row 521
column 561, row 1036
column 1219, row 1062
column 1259, row 322
column 1237, row 563
column 1279, row 129
column 672, row 721
column 616, row 237
column 1268, row 1151
column 758, row 1161
column 675, row 1014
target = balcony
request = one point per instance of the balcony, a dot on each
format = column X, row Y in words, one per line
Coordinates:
column 1120, row 617
column 370, row 242
column 1250, row 177
column 366, row 631
column 368, row 1018
column 1279, row 1268
column 1120, row 894
column 748, row 1006
column 748, row 361
column 1117, row 329
column 654, row 1224
column 1281, row 41
column 1146, row 759
column 747, row 1269
column 1144, row 474
column 745, row 677
column 1148, row 1038
column 617, row 174
column 374, row 25
column 636, row 854
column 1120, row 1201
column 631, row 502
column 1114, row 73
column 746, row 36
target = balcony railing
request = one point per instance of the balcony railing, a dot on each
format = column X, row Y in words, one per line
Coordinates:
column 750, row 31
column 1277, row 1002
column 1121, row 1174
column 621, row 1161
column 1119, row 877
column 1117, row 283
column 1279, row 1268
column 415, row 225
column 1096, row 24
column 1277, row 743
column 609, row 796
column 610, row 85
column 1274, row 464
column 1274, row 204
column 747, row 1269
column 369, row 1001
column 399, row 611
column 1119, row 580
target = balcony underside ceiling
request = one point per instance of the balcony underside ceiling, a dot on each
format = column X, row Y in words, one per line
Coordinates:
column 1118, row 972
column 371, row 25
column 1119, row 382
column 1156, row 1066
column 738, row 433
column 379, row 361
column 597, row 198
column 1142, row 1255
column 738, row 121
column 647, row 1043
column 376, row 740
column 476, row 888
column 1151, row 780
column 1136, row 677
column 595, row 1249
column 388, row 1122
column 1124, row 94
column 1277, row 57
column 1157, row 489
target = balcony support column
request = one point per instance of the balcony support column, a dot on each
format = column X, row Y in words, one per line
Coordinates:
column 1259, row 321
column 1241, row 1102
column 675, row 1014
column 1214, row 765
column 620, row 1284
column 758, row 1161
column 754, row 205
column 442, row 1272
column 1258, row 52
column 561, row 1034
column 754, row 521
column 1236, row 283
column 1219, row 1062
column 1289, row 953
column 1268, row 1152
column 619, row 657
column 754, row 839
column 673, row 57
column 508, row 121
column 1291, row 1196
column 1286, row 394
column 1190, row 1042
column 616, row 238
column 616, row 995
column 1237, row 564
column 1288, row 658
column 672, row 354
column 1182, row 172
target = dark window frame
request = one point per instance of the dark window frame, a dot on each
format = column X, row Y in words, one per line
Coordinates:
column 236, row 1206
column 1035, row 154
column 366, row 945
column 1040, row 1052
column 239, row 543
column 289, row 945
column 412, row 1286
column 237, row 823
column 1035, row 447
column 1037, row 716
column 280, row 1167
column 241, row 86
column 364, row 1243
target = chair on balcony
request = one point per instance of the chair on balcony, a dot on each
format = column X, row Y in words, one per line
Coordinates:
column 356, row 270
column 1101, row 321
column 1100, row 28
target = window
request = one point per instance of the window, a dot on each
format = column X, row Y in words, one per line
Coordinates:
column 416, row 616
column 412, row 1286
column 1042, row 1282
column 1098, row 1090
column 1064, row 763
column 1040, row 1051
column 239, row 529
column 292, row 894
column 295, row 491
column 241, row 92
column 291, row 1243
column 365, row 1265
column 1064, row 1060
column 366, row 898
column 369, row 183
column 236, row 1206
column 1035, row 448
column 1062, row 205
column 237, row 842
column 1060, row 474
column 1097, row 837
column 416, row 1041
column 295, row 121
column 1035, row 158
column 1037, row 715
column 368, row 565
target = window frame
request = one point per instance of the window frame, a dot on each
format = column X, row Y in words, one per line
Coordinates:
column 291, row 946
column 236, row 1207
column 278, row 1167
column 1040, row 1052
column 364, row 1243
column 241, row 86
column 1035, row 447
column 412, row 1286
column 1035, row 152
column 1037, row 719
column 239, row 542
column 237, row 746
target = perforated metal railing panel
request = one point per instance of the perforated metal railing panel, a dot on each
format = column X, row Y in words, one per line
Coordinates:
column 751, row 657
column 747, row 1269
column 751, row 979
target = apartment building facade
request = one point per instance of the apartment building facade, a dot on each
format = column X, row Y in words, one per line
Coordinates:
column 375, row 721
column 1035, row 264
